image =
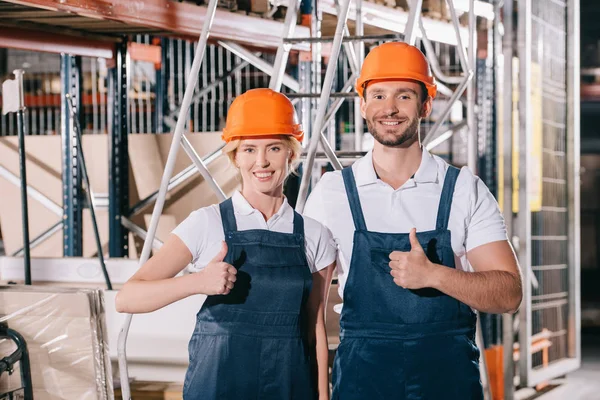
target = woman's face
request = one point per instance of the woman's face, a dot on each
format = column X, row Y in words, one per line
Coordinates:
column 264, row 164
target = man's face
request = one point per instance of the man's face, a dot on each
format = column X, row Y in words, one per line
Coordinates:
column 393, row 111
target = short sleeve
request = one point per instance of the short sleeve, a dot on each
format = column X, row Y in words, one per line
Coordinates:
column 193, row 233
column 314, row 204
column 486, row 223
column 321, row 249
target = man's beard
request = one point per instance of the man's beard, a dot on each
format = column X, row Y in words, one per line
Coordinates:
column 406, row 137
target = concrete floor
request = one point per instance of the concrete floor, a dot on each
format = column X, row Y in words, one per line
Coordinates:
column 583, row 384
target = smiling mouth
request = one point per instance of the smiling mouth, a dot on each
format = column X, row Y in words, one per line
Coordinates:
column 263, row 175
column 390, row 123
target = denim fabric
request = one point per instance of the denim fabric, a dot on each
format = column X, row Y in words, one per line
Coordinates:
column 251, row 343
column 399, row 343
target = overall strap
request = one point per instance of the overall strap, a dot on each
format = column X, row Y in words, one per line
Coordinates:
column 446, row 198
column 228, row 216
column 352, row 193
column 298, row 224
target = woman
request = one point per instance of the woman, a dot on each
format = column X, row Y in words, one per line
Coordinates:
column 260, row 334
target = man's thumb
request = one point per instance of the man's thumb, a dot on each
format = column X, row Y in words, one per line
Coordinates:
column 414, row 242
column 222, row 253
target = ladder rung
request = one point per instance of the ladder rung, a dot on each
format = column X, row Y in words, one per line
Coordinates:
column 364, row 38
column 343, row 153
column 349, row 95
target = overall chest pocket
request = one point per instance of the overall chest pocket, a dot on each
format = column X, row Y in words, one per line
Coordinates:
column 411, row 306
column 434, row 252
column 268, row 255
column 271, row 279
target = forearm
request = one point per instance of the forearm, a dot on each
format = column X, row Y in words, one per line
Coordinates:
column 322, row 357
column 317, row 334
column 494, row 292
column 139, row 296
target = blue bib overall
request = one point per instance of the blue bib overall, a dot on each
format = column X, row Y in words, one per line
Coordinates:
column 398, row 343
column 251, row 343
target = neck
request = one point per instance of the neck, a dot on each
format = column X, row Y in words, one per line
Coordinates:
column 267, row 203
column 396, row 165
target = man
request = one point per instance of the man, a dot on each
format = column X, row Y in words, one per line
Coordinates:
column 421, row 246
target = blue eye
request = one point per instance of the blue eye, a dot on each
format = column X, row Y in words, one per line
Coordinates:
column 276, row 148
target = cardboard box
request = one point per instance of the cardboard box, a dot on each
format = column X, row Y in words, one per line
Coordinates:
column 148, row 154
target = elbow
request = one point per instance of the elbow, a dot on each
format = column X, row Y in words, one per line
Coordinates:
column 119, row 306
column 514, row 302
column 518, row 295
column 121, row 302
column 510, row 301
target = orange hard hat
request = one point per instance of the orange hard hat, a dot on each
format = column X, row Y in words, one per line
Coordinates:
column 396, row 61
column 261, row 112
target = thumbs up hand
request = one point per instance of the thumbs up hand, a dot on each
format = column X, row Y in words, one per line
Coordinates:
column 218, row 277
column 412, row 269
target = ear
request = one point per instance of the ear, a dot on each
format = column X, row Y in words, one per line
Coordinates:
column 363, row 107
column 235, row 161
column 426, row 107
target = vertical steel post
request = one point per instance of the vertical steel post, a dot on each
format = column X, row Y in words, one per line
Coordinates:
column 304, row 80
column 118, row 173
column 507, row 137
column 359, row 127
column 161, row 100
column 523, row 220
column 573, row 166
column 72, row 204
column 23, row 172
column 471, row 120
column 315, row 70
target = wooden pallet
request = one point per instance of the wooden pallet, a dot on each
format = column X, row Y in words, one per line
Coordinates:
column 153, row 391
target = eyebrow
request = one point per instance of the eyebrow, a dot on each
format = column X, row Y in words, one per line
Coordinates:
column 407, row 90
column 399, row 91
column 278, row 143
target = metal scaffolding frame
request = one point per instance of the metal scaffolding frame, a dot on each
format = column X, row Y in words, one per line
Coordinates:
column 505, row 136
column 551, row 280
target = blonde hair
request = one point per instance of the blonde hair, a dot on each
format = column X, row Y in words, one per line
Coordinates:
column 230, row 150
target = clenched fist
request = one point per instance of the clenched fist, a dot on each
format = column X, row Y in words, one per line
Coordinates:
column 412, row 269
column 218, row 277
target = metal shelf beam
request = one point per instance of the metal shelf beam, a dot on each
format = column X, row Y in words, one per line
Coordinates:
column 395, row 20
column 162, row 16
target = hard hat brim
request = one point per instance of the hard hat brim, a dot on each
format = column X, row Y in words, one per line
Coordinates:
column 431, row 87
column 298, row 134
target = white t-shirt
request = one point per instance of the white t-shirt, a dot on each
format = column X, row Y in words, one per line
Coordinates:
column 475, row 218
column 202, row 232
